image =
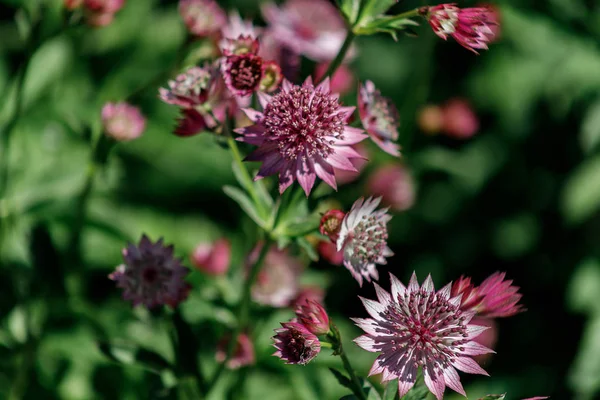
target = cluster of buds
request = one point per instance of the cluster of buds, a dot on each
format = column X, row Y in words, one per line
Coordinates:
column 97, row 12
column 297, row 341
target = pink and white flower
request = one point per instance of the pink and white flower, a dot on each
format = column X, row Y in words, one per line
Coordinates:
column 122, row 121
column 472, row 28
column 301, row 134
column 416, row 327
column 313, row 28
column 151, row 275
column 379, row 117
column 363, row 239
column 295, row 344
column 202, row 17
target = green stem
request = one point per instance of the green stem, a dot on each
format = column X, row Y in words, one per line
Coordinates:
column 336, row 341
column 339, row 58
column 242, row 313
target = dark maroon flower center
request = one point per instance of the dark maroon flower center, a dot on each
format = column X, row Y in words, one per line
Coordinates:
column 369, row 239
column 245, row 71
column 299, row 350
column 304, row 122
column 150, row 275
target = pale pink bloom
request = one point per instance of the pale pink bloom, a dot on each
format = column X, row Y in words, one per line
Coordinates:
column 459, row 119
column 380, row 118
column 329, row 252
column 241, row 67
column 277, row 284
column 470, row 27
column 363, row 239
column 212, row 258
column 295, row 344
column 236, row 27
column 302, row 133
column 313, row 28
column 416, row 326
column 431, row 119
column 488, row 338
column 309, row 293
column 313, row 316
column 272, row 77
column 202, row 17
column 341, row 82
column 200, row 93
column 395, row 185
column 344, row 177
column 494, row 298
column 243, row 355
column 122, row 121
column 331, row 224
column 151, row 275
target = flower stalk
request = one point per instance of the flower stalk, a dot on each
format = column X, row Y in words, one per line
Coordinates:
column 339, row 58
column 335, row 339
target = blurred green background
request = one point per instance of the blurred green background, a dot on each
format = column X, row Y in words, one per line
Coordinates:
column 522, row 196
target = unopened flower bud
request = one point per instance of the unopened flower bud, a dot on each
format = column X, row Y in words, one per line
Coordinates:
column 314, row 317
column 331, row 223
column 295, row 344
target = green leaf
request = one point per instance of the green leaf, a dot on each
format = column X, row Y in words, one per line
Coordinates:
column 375, row 8
column 584, row 377
column 350, row 10
column 246, row 204
column 583, row 289
column 391, row 390
column 310, row 250
column 581, row 193
column 341, row 378
column 590, row 128
column 494, row 397
column 129, row 354
column 258, row 186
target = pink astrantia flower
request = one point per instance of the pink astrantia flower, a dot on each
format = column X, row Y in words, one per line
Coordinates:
column 395, row 185
column 363, row 239
column 202, row 17
column 301, row 134
column 313, row 316
column 151, row 275
column 212, row 258
column 241, row 67
column 295, row 344
column 122, row 121
column 277, row 284
column 379, row 117
column 494, row 298
column 313, row 28
column 243, row 355
column 416, row 326
column 344, row 177
column 470, row 27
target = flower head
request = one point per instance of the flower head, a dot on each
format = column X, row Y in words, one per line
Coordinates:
column 494, row 298
column 395, row 185
column 363, row 239
column 302, row 134
column 470, row 27
column 277, row 284
column 202, row 17
column 212, row 258
column 331, row 224
column 151, row 275
column 122, row 121
column 416, row 326
column 379, row 117
column 295, row 344
column 243, row 354
column 313, row 28
column 313, row 316
column 241, row 67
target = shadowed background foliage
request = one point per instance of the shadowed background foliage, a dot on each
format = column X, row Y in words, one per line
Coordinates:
column 521, row 196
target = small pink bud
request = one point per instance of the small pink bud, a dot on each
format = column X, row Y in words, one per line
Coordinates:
column 331, row 223
column 212, row 259
column 309, row 293
column 243, row 354
column 122, row 121
column 328, row 251
column 314, row 317
column 395, row 185
column 272, row 77
column 104, row 6
column 460, row 121
column 341, row 82
column 431, row 119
